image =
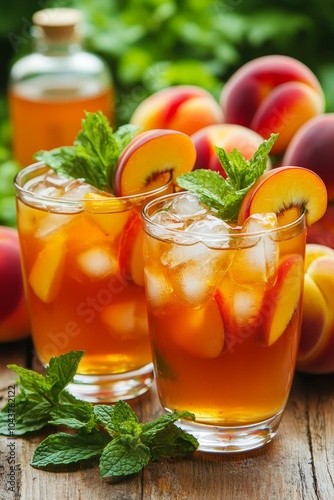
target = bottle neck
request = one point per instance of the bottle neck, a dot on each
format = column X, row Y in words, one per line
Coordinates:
column 56, row 48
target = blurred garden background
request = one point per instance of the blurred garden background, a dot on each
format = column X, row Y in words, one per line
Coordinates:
column 152, row 44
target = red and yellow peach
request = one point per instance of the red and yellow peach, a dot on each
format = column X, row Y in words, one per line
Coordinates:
column 14, row 319
column 316, row 350
column 226, row 136
column 272, row 94
column 186, row 108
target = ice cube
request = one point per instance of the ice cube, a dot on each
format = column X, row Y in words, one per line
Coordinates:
column 158, row 289
column 77, row 190
column 166, row 219
column 187, row 205
column 256, row 260
column 52, row 223
column 246, row 309
column 195, row 278
column 211, row 225
column 97, row 262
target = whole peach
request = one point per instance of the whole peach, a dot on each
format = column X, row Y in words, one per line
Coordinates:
column 186, row 108
column 272, row 94
column 14, row 319
column 227, row 136
column 311, row 147
column 316, row 350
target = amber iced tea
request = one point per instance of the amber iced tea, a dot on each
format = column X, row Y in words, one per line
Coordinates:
column 83, row 268
column 224, row 313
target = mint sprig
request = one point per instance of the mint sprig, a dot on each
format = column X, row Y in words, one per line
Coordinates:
column 94, row 154
column 113, row 433
column 225, row 195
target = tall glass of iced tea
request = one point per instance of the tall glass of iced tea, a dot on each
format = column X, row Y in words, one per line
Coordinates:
column 83, row 271
column 224, row 306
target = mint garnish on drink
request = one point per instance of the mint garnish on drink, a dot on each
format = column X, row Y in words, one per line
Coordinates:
column 112, row 433
column 94, row 154
column 225, row 195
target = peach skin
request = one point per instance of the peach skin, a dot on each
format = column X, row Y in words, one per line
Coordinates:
column 186, row 108
column 272, row 94
column 14, row 319
column 150, row 158
column 316, row 350
column 281, row 189
column 227, row 136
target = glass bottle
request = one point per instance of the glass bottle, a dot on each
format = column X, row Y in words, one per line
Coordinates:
column 51, row 88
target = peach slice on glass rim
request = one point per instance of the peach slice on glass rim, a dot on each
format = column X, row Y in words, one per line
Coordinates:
column 150, row 158
column 281, row 189
column 281, row 301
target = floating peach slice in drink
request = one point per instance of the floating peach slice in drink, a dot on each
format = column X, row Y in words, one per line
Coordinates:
column 150, row 158
column 281, row 301
column 47, row 272
column 130, row 255
column 282, row 188
column 107, row 211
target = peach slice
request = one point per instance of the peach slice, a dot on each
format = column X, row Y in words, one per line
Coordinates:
column 315, row 250
column 108, row 212
column 200, row 332
column 282, row 188
column 316, row 354
column 130, row 252
column 150, row 158
column 281, row 301
column 46, row 275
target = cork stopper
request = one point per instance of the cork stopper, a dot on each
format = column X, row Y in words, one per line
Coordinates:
column 58, row 24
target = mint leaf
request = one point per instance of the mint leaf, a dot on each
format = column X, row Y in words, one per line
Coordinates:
column 60, row 371
column 29, row 380
column 208, row 185
column 78, row 416
column 224, row 196
column 123, row 456
column 63, row 448
column 166, row 439
column 94, row 154
column 124, row 420
column 171, row 442
column 103, row 414
column 112, row 432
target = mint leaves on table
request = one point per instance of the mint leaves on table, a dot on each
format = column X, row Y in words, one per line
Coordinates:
column 112, row 433
column 95, row 152
column 225, row 195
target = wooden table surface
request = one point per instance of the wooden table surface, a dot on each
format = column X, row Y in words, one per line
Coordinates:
column 297, row 464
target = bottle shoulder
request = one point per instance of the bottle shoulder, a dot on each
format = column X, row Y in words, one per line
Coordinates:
column 80, row 63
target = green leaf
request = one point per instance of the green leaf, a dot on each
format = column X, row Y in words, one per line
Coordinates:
column 162, row 422
column 94, row 155
column 171, row 442
column 225, row 195
column 123, row 456
column 30, row 380
column 103, row 414
column 208, row 185
column 31, row 414
column 61, row 370
column 124, row 420
column 76, row 416
column 63, row 448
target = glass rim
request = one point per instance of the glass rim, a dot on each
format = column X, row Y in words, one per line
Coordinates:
column 109, row 197
column 234, row 233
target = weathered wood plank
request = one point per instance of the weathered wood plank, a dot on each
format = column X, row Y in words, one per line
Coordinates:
column 297, row 465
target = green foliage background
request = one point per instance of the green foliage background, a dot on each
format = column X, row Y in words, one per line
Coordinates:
column 150, row 44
